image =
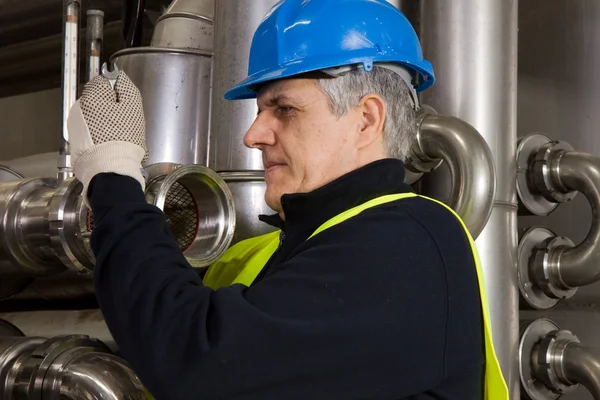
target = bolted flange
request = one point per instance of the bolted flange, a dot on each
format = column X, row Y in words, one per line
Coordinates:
column 538, row 186
column 537, row 268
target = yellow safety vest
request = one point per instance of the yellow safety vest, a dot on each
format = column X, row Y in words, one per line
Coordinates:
column 243, row 261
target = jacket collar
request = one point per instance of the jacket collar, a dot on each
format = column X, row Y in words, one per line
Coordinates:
column 305, row 212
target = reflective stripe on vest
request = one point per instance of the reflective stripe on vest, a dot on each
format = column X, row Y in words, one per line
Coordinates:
column 243, row 261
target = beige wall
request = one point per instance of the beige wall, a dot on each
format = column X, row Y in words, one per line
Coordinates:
column 30, row 124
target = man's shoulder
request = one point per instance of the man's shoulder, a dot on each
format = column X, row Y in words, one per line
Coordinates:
column 415, row 228
column 410, row 217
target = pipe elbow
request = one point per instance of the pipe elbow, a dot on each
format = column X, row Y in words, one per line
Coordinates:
column 573, row 171
column 99, row 376
column 448, row 139
column 581, row 364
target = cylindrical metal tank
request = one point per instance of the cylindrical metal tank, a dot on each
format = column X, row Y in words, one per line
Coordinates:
column 174, row 78
column 473, row 48
column 235, row 23
column 241, row 167
column 248, row 190
column 175, row 88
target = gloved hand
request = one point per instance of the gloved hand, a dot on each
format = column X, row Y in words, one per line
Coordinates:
column 107, row 131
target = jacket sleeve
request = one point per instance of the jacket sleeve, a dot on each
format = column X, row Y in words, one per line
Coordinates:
column 336, row 315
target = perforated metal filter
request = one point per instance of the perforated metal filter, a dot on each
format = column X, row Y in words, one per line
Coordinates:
column 89, row 220
column 182, row 215
column 181, row 212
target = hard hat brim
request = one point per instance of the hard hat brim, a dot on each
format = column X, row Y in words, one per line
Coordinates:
column 243, row 90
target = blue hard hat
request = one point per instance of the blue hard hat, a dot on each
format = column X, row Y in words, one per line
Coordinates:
column 299, row 36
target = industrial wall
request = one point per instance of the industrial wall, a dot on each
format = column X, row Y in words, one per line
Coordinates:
column 30, row 124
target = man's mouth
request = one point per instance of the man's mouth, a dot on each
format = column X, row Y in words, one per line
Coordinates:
column 272, row 164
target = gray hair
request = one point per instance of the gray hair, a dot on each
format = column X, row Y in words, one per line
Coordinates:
column 400, row 126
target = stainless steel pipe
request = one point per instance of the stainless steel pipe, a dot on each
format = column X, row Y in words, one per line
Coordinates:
column 94, row 40
column 580, row 265
column 469, row 159
column 72, row 10
column 551, row 266
column 581, row 364
column 186, row 24
column 45, row 227
column 199, row 208
column 94, row 376
column 553, row 362
column 473, row 47
column 71, row 367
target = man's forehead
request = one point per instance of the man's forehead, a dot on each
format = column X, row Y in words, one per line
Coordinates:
column 294, row 90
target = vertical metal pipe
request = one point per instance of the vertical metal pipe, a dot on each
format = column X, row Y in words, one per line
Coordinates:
column 473, row 47
column 71, row 13
column 235, row 23
column 95, row 38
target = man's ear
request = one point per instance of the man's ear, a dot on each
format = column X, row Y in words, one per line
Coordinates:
column 372, row 113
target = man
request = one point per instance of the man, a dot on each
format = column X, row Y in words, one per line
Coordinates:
column 367, row 291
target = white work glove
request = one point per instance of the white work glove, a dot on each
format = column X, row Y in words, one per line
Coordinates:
column 107, row 131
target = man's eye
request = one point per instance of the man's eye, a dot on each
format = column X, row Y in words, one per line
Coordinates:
column 284, row 110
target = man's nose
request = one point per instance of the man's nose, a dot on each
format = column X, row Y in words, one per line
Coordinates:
column 261, row 133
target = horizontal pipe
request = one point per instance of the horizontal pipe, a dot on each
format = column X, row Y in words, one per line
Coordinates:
column 579, row 265
column 581, row 364
column 471, row 165
column 94, row 39
column 73, row 367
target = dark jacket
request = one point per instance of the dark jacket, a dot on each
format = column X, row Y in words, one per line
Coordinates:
column 383, row 306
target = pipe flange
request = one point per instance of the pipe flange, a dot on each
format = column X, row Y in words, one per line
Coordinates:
column 160, row 170
column 12, row 236
column 532, row 199
column 544, row 171
column 14, row 354
column 68, row 231
column 534, row 385
column 417, row 161
column 545, row 268
column 548, row 363
column 44, row 356
column 537, row 159
column 199, row 208
column 51, row 383
column 534, row 268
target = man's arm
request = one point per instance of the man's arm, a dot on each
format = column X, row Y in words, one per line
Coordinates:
column 333, row 318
